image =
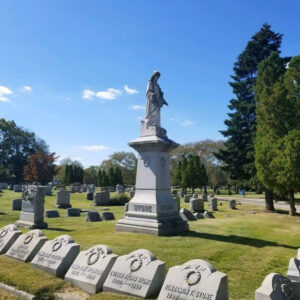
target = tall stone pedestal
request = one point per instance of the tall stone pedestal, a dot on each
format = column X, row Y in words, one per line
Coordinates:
column 152, row 210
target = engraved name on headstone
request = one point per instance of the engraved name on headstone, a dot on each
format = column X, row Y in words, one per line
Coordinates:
column 8, row 235
column 56, row 256
column 138, row 273
column 91, row 268
column 196, row 279
column 27, row 245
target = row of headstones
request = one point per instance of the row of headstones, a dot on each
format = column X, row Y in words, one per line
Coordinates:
column 98, row 269
column 91, row 216
column 277, row 286
column 18, row 188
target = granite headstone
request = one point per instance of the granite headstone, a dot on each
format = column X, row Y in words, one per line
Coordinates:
column 93, row 216
column 101, row 198
column 8, row 235
column 51, row 213
column 16, row 204
column 63, row 199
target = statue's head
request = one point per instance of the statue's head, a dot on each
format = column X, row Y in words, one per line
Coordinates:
column 155, row 75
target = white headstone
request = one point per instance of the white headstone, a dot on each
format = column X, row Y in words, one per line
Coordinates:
column 8, row 235
column 138, row 274
column 56, row 256
column 27, row 245
column 276, row 287
column 91, row 268
column 294, row 270
column 196, row 279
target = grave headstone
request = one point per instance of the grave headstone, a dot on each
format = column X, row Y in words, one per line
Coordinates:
column 16, row 204
column 276, row 287
column 3, row 185
column 84, row 188
column 198, row 215
column 213, row 204
column 101, row 198
column 108, row 216
column 8, row 235
column 188, row 214
column 177, row 199
column 57, row 256
column 181, row 193
column 93, row 216
column 73, row 212
column 72, row 189
column 294, row 270
column 196, row 279
column 89, row 196
column 90, row 191
column 186, row 198
column 48, row 190
column 51, row 213
column 27, row 245
column 78, row 189
column 63, row 199
column 120, row 188
column 231, row 204
column 208, row 215
column 32, row 214
column 91, row 268
column 195, row 196
column 196, row 205
column 204, row 197
column 18, row 188
column 138, row 274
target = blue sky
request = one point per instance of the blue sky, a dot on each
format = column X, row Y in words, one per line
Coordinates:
column 75, row 72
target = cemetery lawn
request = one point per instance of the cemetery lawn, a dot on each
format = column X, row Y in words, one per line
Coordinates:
column 246, row 244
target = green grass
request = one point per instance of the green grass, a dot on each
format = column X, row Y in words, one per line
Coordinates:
column 246, row 244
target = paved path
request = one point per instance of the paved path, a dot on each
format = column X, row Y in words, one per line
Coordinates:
column 260, row 202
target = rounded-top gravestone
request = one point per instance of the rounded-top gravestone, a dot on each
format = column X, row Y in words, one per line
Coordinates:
column 8, row 235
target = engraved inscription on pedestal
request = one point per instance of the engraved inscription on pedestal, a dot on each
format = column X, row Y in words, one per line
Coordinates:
column 8, row 235
column 27, row 245
column 91, row 268
column 56, row 256
column 196, row 279
column 138, row 273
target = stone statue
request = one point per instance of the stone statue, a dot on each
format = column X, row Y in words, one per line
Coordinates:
column 155, row 100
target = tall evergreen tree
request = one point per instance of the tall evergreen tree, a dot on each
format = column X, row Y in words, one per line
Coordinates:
column 238, row 155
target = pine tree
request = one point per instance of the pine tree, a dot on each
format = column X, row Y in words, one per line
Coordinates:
column 238, row 156
column 178, row 173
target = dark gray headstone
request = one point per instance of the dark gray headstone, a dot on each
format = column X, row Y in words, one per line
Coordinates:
column 51, row 213
column 196, row 205
column 89, row 196
column 16, row 204
column 231, row 204
column 63, row 199
column 188, row 214
column 208, row 215
column 108, row 216
column 18, row 188
column 186, row 198
column 73, row 212
column 101, row 198
column 198, row 216
column 93, row 216
column 213, row 204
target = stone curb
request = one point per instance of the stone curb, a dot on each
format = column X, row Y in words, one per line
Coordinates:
column 11, row 290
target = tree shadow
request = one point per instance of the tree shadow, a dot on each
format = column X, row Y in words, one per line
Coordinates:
column 235, row 239
column 60, row 229
column 285, row 212
column 3, row 213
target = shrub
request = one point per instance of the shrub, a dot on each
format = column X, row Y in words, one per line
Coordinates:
column 119, row 199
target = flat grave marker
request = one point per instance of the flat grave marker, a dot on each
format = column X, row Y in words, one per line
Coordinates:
column 108, row 216
column 93, row 216
column 52, row 213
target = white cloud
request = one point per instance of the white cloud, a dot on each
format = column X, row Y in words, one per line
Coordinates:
column 129, row 90
column 109, row 94
column 95, row 148
column 27, row 89
column 4, row 91
column 138, row 107
column 88, row 94
column 187, row 123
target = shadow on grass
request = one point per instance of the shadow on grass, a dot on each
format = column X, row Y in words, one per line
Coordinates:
column 285, row 212
column 60, row 229
column 3, row 213
column 235, row 239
